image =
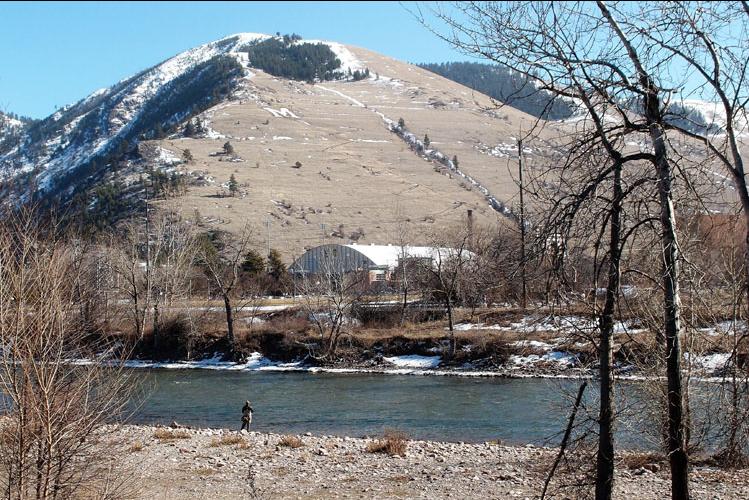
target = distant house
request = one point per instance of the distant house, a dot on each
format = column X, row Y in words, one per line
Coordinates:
column 378, row 261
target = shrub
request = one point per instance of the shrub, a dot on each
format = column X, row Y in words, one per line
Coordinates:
column 227, row 440
column 393, row 443
column 135, row 447
column 291, row 442
column 163, row 434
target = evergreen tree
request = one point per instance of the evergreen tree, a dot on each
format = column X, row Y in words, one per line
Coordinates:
column 276, row 267
column 401, row 123
column 158, row 131
column 455, row 161
column 187, row 156
column 189, row 130
column 228, row 149
column 298, row 61
column 176, row 184
column 233, row 185
column 253, row 263
column 427, row 142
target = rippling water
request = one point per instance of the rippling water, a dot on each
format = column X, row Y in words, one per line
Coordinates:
column 515, row 411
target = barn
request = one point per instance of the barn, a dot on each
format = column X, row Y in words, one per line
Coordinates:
column 378, row 261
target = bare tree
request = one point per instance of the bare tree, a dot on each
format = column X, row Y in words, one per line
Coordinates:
column 711, row 41
column 579, row 51
column 52, row 411
column 404, row 269
column 172, row 265
column 329, row 294
column 442, row 274
column 130, row 264
column 222, row 264
column 153, row 267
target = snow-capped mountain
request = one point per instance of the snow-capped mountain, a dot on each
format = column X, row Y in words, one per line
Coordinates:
column 70, row 147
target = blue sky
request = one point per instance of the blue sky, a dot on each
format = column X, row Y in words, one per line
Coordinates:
column 52, row 54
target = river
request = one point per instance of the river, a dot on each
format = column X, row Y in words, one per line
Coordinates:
column 514, row 411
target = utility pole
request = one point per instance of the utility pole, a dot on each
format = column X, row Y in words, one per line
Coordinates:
column 524, row 297
column 267, row 225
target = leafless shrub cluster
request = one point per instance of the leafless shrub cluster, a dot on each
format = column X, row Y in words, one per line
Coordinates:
column 393, row 443
column 53, row 406
column 291, row 442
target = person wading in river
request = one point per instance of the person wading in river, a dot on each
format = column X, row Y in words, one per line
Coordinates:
column 246, row 416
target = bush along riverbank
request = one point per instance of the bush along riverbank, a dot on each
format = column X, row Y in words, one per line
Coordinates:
column 497, row 343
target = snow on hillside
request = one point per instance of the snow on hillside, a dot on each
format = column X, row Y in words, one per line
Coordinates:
column 6, row 122
column 76, row 134
column 349, row 62
column 10, row 130
column 714, row 116
column 697, row 116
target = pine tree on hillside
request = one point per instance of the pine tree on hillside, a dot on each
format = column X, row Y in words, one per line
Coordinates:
column 401, row 123
column 253, row 263
column 427, row 142
column 228, row 149
column 276, row 267
column 455, row 161
column 189, row 130
column 233, row 185
column 187, row 156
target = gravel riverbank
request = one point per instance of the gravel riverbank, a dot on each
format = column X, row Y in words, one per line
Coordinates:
column 172, row 463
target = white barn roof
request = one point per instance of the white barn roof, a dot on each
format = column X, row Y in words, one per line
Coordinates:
column 360, row 257
column 389, row 255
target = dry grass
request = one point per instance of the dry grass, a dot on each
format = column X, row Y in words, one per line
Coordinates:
column 204, row 471
column 136, row 447
column 394, row 443
column 291, row 442
column 634, row 461
column 170, row 434
column 227, row 440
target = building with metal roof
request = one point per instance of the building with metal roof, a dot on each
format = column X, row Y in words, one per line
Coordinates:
column 378, row 260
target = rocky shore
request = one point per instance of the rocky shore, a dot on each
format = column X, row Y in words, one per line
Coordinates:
column 180, row 463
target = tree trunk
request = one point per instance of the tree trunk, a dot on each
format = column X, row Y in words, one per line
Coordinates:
column 405, row 304
column 156, row 326
column 448, row 303
column 605, row 458
column 739, row 180
column 229, row 322
column 745, row 208
column 677, row 445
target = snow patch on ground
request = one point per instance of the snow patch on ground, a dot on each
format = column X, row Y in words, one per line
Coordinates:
column 167, row 157
column 532, row 343
column 711, row 362
column 281, row 113
column 563, row 359
column 415, row 361
column 561, row 324
column 254, row 362
column 341, row 94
